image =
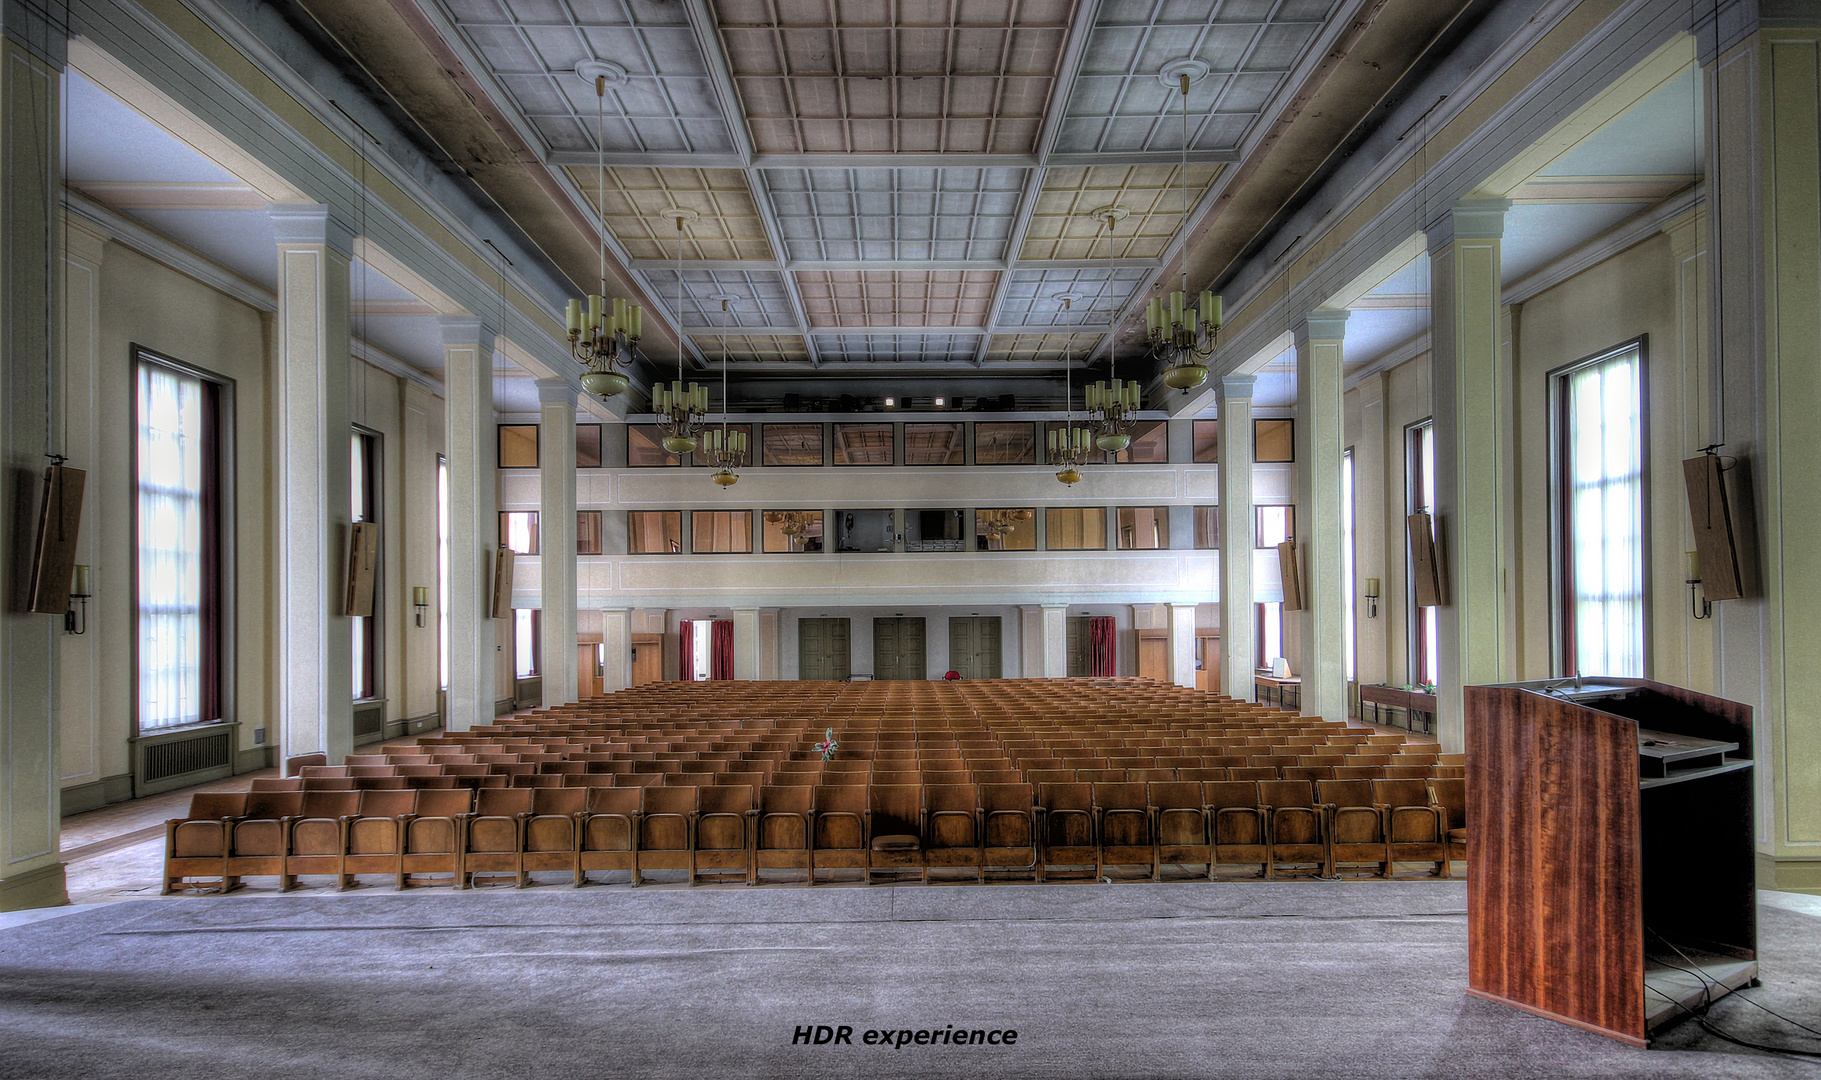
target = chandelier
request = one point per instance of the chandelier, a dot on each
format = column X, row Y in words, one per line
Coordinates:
column 1069, row 445
column 603, row 336
column 681, row 409
column 791, row 522
column 998, row 524
column 1111, row 404
column 1183, row 337
column 724, row 451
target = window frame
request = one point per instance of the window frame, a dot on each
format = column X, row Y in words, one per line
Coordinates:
column 821, row 537
column 833, row 452
column 960, row 444
column 599, row 536
column 675, row 462
column 537, row 536
column 536, row 650
column 631, row 531
column 694, row 532
column 973, row 438
column 1419, row 438
column 1258, row 525
column 1290, row 423
column 1124, row 457
column 499, row 446
column 225, row 518
column 1119, row 528
column 600, row 446
column 371, row 626
column 765, row 448
column 1195, row 430
column 1049, row 517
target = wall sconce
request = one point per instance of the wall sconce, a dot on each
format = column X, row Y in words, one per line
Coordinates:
column 79, row 599
column 420, row 599
column 1706, row 607
column 1371, row 598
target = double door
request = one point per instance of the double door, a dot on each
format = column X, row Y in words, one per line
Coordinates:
column 823, row 649
column 898, row 651
column 974, row 646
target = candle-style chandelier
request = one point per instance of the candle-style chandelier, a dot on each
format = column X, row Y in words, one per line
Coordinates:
column 1183, row 337
column 724, row 450
column 999, row 524
column 1111, row 404
column 1069, row 445
column 681, row 409
column 603, row 335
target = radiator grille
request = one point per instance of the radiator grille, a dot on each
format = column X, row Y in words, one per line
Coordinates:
column 369, row 721
column 165, row 760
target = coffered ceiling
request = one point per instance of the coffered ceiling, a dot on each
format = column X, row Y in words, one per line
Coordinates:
column 879, row 187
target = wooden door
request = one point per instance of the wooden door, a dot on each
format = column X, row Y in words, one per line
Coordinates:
column 1154, row 655
column 974, row 646
column 647, row 658
column 898, row 649
column 1081, row 655
column 823, row 649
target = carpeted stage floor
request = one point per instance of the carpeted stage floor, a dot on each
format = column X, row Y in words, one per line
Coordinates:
column 1133, row 980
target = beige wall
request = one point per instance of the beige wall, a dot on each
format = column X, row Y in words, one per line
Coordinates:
column 1408, row 399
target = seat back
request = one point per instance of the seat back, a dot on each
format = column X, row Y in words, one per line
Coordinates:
column 387, row 804
column 1338, row 793
column 270, row 805
column 1451, row 796
column 1401, row 792
column 1278, row 794
column 559, row 801
column 1230, row 794
column 618, row 801
column 896, row 809
column 294, row 766
column 277, row 783
column 215, row 805
column 503, row 802
column 331, row 804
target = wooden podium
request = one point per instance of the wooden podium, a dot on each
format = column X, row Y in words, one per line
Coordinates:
column 1610, row 843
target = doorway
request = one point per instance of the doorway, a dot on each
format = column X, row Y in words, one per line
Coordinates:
column 974, row 646
column 898, row 649
column 823, row 649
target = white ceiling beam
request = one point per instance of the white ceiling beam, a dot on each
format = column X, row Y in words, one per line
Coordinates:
column 795, row 265
column 586, row 159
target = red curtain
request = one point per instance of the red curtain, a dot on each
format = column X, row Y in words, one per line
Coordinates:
column 686, row 649
column 720, row 659
column 1103, row 645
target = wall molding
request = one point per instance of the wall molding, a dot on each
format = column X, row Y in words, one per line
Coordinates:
column 81, row 798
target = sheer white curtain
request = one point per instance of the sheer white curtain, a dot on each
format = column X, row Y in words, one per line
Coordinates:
column 170, row 548
column 1605, row 474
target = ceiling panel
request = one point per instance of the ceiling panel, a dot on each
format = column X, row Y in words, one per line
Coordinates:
column 1118, row 103
column 728, row 225
column 533, row 46
column 897, row 298
column 759, row 297
column 957, row 76
column 1063, row 226
column 754, row 348
column 847, row 214
column 1053, row 348
column 1033, row 296
column 898, row 348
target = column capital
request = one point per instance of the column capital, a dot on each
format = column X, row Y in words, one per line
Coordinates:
column 466, row 330
column 1468, row 219
column 556, row 392
column 310, row 224
column 1236, row 387
column 1322, row 324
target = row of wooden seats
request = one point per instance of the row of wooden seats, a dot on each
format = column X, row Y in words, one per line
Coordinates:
column 736, row 832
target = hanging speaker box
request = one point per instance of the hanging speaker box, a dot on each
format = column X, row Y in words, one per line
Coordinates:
column 1425, row 578
column 54, row 554
column 1710, row 515
column 1292, row 575
column 363, row 563
column 502, row 584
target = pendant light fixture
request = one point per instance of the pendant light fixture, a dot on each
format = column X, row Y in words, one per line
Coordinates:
column 603, row 335
column 1069, row 446
column 681, row 410
column 724, row 450
column 1183, row 337
column 1111, row 407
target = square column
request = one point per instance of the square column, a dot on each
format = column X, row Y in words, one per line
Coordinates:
column 1055, row 642
column 748, row 651
column 1182, row 645
column 1472, row 401
column 471, row 448
column 1238, row 632
column 1319, row 545
column 616, row 650
column 310, row 332
column 556, row 528
column 1372, row 533
column 31, row 867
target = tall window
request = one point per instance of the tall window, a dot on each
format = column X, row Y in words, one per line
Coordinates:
column 525, row 645
column 363, row 505
column 1270, row 632
column 1599, row 514
column 1424, row 645
column 180, row 543
column 1349, row 646
column 442, row 570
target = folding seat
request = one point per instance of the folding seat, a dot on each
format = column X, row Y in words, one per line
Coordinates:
column 1451, row 760
column 257, row 839
column 1418, row 829
column 1236, row 825
column 494, row 834
column 1297, row 829
column 839, row 824
column 277, row 783
column 311, row 771
column 952, row 829
column 943, row 779
column 365, row 759
column 562, row 767
column 432, row 835
column 380, row 783
column 666, row 830
column 894, row 828
column 882, row 777
column 1065, row 815
column 1150, row 776
column 610, row 831
column 725, row 828
column 197, row 844
column 319, row 835
column 1202, row 775
column 1450, row 794
column 1124, row 823
column 1311, row 773
column 1356, row 825
column 376, row 835
column 294, row 766
column 1253, row 772
column 553, row 832
column 1407, row 772
column 383, row 769
column 1180, row 820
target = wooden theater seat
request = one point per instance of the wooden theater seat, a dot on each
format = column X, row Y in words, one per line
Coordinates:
column 724, row 834
column 197, row 844
column 432, row 835
column 1123, row 820
column 666, row 838
column 894, row 829
column 1181, row 825
column 257, row 845
column 610, row 831
column 839, row 839
column 319, row 836
column 952, row 831
column 1008, row 829
column 782, row 838
column 1237, row 825
column 1450, row 794
column 1356, row 826
column 376, row 835
column 494, row 834
column 1418, row 829
column 1065, row 814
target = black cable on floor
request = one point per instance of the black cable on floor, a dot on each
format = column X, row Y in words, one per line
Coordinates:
column 1707, row 1002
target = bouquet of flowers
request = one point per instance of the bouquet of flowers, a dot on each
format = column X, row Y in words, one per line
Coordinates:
column 827, row 746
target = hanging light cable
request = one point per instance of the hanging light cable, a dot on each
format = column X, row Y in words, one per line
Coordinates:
column 1183, row 337
column 1111, row 404
column 681, row 410
column 603, row 337
column 1069, row 446
column 724, row 450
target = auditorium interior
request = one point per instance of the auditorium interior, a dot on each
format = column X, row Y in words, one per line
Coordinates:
column 1080, row 464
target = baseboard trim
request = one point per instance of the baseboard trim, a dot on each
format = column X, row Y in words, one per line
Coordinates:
column 1789, row 875
column 254, row 759
column 413, row 725
column 502, row 707
column 81, row 798
column 40, row 888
